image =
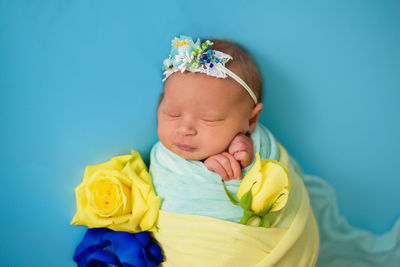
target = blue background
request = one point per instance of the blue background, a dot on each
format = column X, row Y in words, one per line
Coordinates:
column 80, row 81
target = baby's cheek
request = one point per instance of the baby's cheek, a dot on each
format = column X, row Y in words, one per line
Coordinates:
column 164, row 132
column 219, row 142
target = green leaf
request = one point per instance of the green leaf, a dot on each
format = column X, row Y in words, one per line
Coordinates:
column 194, row 53
column 245, row 201
column 264, row 222
column 230, row 196
column 195, row 65
column 268, row 209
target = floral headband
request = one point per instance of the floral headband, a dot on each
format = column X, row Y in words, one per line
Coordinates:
column 187, row 55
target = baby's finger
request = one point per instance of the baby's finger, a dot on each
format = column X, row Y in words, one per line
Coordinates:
column 224, row 161
column 220, row 170
column 243, row 157
column 235, row 166
column 236, row 146
column 213, row 165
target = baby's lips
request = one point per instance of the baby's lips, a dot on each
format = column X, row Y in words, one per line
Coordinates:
column 185, row 147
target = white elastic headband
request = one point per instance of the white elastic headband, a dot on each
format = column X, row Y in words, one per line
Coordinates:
column 238, row 79
column 195, row 57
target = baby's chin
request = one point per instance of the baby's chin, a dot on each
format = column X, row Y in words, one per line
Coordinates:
column 188, row 152
column 194, row 154
column 190, row 155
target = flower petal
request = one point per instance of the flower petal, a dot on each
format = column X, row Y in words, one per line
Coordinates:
column 92, row 237
column 143, row 238
column 274, row 181
column 281, row 202
column 252, row 179
column 125, row 247
column 155, row 252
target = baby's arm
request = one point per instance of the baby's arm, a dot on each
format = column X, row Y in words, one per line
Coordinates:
column 228, row 164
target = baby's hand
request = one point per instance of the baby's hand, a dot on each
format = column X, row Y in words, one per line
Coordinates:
column 242, row 150
column 225, row 165
column 229, row 164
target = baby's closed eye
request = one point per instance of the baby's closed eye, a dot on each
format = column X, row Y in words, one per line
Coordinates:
column 212, row 121
column 172, row 114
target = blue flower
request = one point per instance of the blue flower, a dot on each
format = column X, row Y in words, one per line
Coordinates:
column 105, row 247
column 182, row 50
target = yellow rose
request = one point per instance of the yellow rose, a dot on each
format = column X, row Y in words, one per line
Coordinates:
column 269, row 184
column 119, row 195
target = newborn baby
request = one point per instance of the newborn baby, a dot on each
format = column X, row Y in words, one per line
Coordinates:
column 206, row 118
column 207, row 126
column 204, row 127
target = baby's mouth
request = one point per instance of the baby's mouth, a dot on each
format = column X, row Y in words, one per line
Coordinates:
column 185, row 147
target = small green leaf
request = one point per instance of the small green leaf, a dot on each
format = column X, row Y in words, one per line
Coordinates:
column 194, row 54
column 247, row 198
column 264, row 222
column 230, row 196
column 245, row 201
column 195, row 65
column 268, row 209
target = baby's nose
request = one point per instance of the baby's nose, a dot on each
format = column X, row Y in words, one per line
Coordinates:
column 186, row 128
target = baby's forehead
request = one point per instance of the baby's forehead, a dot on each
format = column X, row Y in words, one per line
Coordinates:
column 204, row 97
column 201, row 100
column 202, row 86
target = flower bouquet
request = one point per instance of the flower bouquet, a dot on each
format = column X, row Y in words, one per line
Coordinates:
column 117, row 195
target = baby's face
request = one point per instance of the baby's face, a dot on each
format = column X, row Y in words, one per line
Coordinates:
column 199, row 115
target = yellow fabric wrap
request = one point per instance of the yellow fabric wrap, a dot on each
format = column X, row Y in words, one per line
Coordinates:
column 292, row 239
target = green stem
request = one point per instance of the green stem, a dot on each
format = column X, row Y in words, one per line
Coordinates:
column 247, row 214
column 264, row 222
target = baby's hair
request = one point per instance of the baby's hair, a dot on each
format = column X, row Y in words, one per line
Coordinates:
column 243, row 64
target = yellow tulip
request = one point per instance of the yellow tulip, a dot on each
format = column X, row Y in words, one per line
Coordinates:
column 269, row 184
column 118, row 194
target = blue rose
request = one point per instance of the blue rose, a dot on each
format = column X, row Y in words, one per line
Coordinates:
column 182, row 49
column 105, row 247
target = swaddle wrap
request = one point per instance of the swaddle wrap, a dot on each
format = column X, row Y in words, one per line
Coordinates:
column 198, row 224
column 179, row 181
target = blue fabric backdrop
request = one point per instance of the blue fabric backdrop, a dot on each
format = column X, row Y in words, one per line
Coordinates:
column 80, row 81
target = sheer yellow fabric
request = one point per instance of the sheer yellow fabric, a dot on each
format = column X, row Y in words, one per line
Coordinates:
column 292, row 240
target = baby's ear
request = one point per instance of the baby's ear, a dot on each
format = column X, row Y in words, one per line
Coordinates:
column 255, row 113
